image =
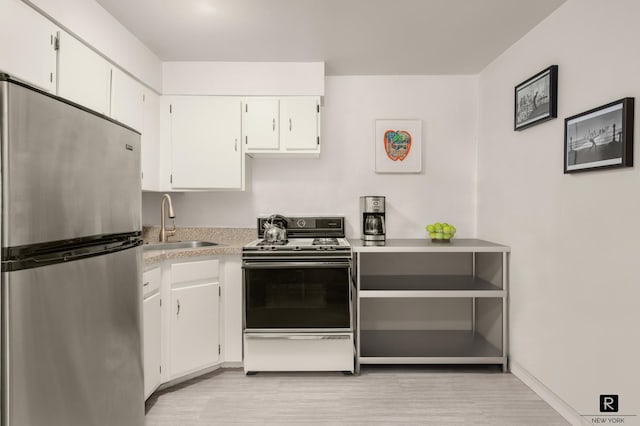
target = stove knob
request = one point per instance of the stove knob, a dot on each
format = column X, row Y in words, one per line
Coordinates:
column 301, row 223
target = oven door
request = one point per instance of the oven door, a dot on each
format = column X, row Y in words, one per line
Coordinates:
column 291, row 295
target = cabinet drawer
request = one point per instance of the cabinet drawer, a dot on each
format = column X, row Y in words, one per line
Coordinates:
column 150, row 281
column 298, row 352
column 194, row 271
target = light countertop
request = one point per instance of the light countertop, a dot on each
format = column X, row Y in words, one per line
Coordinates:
column 229, row 242
column 426, row 245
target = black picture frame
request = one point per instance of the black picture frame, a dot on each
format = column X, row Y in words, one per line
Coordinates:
column 536, row 99
column 601, row 138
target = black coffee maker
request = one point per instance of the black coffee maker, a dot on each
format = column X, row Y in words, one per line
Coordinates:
column 372, row 218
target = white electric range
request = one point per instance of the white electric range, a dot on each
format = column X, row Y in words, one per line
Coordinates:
column 298, row 293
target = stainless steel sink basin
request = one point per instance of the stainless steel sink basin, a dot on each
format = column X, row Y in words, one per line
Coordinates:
column 177, row 245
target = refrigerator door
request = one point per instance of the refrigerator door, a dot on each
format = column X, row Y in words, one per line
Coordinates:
column 66, row 172
column 72, row 343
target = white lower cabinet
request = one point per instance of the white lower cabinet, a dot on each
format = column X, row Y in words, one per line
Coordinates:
column 195, row 337
column 152, row 330
column 191, row 324
column 194, row 317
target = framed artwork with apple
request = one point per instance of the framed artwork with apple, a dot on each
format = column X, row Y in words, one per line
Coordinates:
column 397, row 146
column 599, row 138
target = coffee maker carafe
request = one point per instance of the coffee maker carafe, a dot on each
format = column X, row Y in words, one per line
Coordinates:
column 372, row 218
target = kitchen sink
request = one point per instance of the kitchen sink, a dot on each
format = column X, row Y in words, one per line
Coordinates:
column 169, row 245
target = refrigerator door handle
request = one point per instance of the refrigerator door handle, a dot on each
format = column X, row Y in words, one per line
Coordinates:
column 66, row 256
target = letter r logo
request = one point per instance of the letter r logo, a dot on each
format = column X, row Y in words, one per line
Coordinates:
column 608, row 403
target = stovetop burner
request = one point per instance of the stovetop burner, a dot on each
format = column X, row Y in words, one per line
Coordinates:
column 273, row 243
column 325, row 242
column 321, row 235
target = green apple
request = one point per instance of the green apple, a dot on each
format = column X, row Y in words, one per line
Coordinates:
column 430, row 228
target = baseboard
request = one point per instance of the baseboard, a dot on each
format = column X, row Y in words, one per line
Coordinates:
column 232, row 364
column 189, row 376
column 557, row 403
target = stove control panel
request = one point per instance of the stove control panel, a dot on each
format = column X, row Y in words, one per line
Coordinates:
column 307, row 226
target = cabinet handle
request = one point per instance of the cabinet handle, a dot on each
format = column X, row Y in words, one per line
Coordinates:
column 289, row 124
column 178, row 313
column 145, row 284
column 235, row 145
column 273, row 125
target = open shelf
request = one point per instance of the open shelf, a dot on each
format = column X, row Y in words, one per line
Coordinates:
column 427, row 286
column 420, row 302
column 427, row 346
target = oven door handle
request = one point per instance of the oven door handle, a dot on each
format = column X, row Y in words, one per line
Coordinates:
column 299, row 337
column 311, row 264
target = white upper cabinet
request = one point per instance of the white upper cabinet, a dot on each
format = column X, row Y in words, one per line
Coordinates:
column 283, row 126
column 206, row 148
column 127, row 100
column 28, row 48
column 150, row 141
column 300, row 124
column 260, row 124
column 83, row 75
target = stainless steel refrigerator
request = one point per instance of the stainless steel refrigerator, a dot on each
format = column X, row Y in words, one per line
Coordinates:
column 71, row 264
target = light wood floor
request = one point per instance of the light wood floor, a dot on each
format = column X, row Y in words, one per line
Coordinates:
column 379, row 395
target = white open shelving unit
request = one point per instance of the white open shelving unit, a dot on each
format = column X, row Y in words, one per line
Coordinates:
column 420, row 302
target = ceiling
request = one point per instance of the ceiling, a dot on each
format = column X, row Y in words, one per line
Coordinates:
column 352, row 37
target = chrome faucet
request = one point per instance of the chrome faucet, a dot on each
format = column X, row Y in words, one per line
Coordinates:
column 164, row 232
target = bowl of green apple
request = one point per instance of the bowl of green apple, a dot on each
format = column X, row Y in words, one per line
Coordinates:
column 441, row 232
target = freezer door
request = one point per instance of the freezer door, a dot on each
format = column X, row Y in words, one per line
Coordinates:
column 72, row 343
column 66, row 172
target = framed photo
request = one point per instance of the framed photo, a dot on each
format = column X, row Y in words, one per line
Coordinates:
column 536, row 99
column 398, row 146
column 600, row 138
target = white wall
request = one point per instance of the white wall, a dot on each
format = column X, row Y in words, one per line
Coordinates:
column 243, row 78
column 575, row 281
column 89, row 21
column 444, row 191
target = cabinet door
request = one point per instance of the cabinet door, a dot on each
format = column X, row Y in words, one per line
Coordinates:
column 260, row 122
column 152, row 343
column 83, row 75
column 205, row 142
column 299, row 129
column 194, row 327
column 150, row 141
column 127, row 104
column 27, row 51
